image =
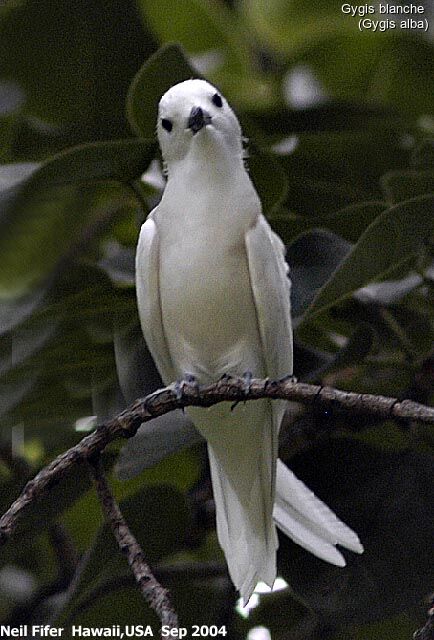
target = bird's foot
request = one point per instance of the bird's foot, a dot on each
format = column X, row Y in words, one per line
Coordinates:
column 246, row 386
column 188, row 381
column 288, row 378
column 226, row 377
column 247, row 379
column 269, row 385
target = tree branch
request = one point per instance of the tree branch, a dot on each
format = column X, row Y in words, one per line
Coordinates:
column 155, row 595
column 175, row 573
column 187, row 394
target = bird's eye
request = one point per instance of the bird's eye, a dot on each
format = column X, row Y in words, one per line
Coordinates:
column 217, row 100
column 167, row 124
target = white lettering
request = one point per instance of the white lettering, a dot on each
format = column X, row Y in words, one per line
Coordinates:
column 358, row 9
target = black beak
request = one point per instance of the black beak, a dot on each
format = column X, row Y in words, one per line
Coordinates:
column 198, row 119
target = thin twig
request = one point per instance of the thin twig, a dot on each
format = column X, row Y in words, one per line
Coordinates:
column 177, row 573
column 188, row 394
column 155, row 595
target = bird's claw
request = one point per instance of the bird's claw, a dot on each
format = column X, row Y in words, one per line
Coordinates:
column 189, row 380
column 246, row 386
column 288, row 378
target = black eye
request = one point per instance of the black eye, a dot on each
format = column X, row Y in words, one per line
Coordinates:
column 167, row 124
column 217, row 100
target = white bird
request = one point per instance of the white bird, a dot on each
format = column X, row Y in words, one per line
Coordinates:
column 214, row 298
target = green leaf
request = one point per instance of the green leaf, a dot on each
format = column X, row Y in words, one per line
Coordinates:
column 118, row 263
column 289, row 26
column 403, row 185
column 216, row 42
column 394, row 237
column 278, row 121
column 53, row 207
column 359, row 157
column 157, row 516
column 200, row 26
column 39, row 515
column 137, row 373
column 168, row 66
column 389, row 292
column 352, row 66
column 123, row 160
column 269, row 179
column 12, row 174
column 349, row 222
column 37, row 233
column 13, row 312
column 408, row 56
column 380, row 495
column 76, row 66
column 417, row 328
column 356, row 349
column 401, row 627
column 423, row 155
column 13, row 390
column 352, row 221
column 11, row 100
column 117, row 602
column 69, row 341
column 313, row 258
column 328, row 171
column 25, row 341
column 312, row 364
column 155, row 441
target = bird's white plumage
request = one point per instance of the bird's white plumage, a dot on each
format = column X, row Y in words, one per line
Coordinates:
column 213, row 299
column 148, row 297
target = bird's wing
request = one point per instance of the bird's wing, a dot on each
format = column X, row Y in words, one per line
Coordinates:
column 271, row 292
column 297, row 511
column 148, row 297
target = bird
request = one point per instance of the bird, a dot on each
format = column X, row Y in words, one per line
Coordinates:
column 213, row 295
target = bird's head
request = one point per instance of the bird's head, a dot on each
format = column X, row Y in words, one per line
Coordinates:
column 193, row 115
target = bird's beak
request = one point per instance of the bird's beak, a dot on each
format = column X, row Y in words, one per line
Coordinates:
column 198, row 119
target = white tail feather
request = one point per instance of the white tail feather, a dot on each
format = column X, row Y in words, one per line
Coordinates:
column 308, row 521
column 292, row 525
column 241, row 459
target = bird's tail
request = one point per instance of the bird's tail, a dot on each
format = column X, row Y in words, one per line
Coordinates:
column 308, row 521
column 242, row 456
column 242, row 460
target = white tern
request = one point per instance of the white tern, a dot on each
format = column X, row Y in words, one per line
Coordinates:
column 214, row 298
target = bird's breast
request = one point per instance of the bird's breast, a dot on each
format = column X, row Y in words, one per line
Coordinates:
column 208, row 311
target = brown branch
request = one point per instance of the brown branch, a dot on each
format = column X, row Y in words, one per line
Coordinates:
column 183, row 572
column 155, row 595
column 187, row 394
